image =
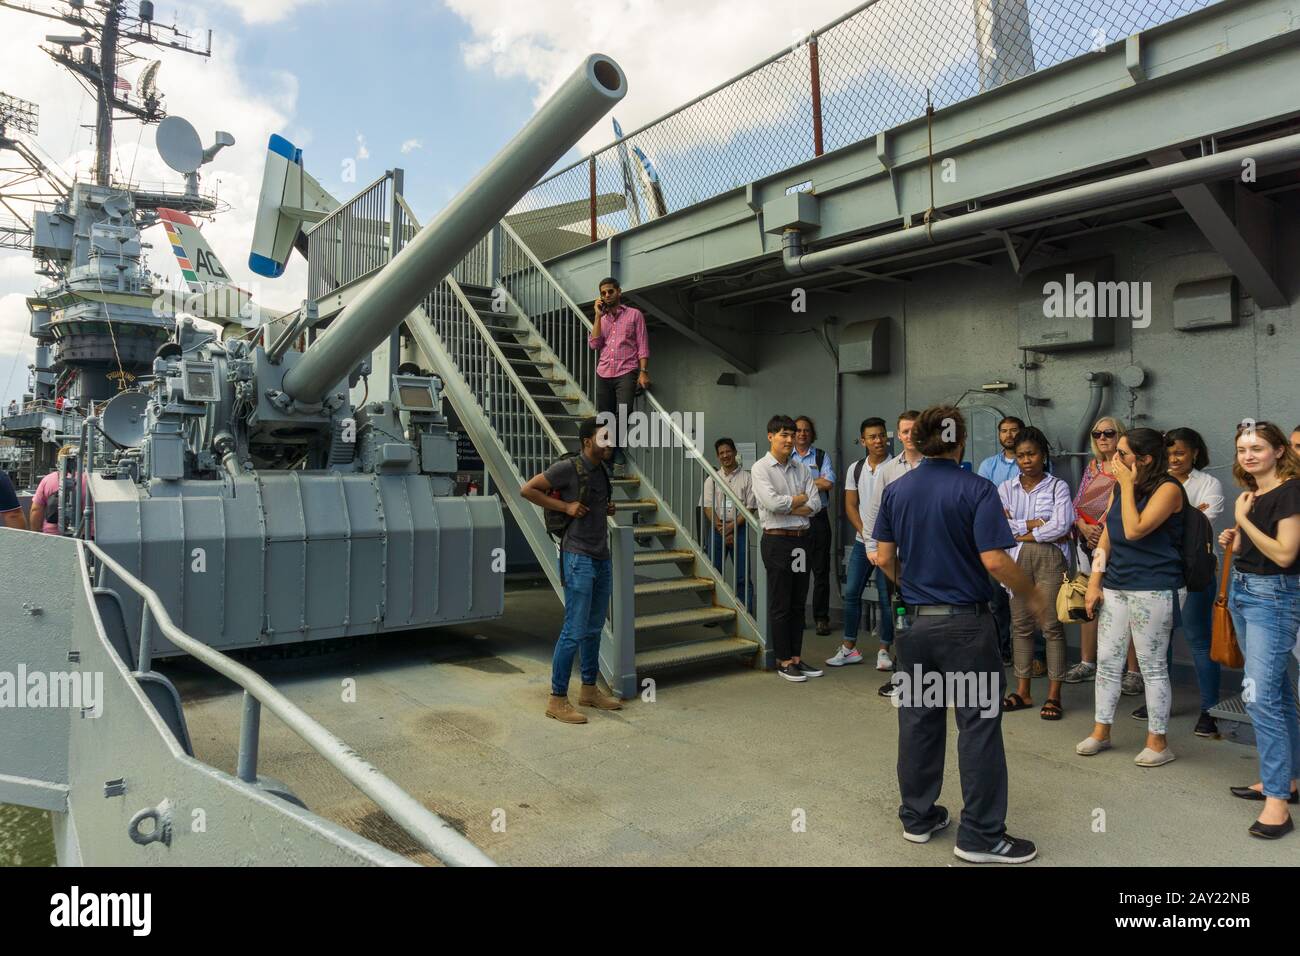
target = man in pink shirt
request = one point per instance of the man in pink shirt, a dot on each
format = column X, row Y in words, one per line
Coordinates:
column 619, row 335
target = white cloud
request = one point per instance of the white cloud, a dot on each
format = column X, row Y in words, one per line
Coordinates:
column 265, row 11
column 411, row 145
column 212, row 94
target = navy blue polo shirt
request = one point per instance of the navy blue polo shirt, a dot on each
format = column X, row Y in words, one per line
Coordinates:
column 941, row 517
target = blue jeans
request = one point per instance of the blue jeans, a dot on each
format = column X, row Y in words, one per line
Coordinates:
column 1266, row 613
column 588, row 583
column 1198, row 614
column 718, row 552
column 860, row 569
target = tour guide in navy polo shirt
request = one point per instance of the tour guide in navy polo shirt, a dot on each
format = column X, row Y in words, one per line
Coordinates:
column 940, row 533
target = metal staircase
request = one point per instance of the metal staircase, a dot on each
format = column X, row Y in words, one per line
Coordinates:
column 512, row 350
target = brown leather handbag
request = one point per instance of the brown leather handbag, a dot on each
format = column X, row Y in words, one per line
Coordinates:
column 1223, row 637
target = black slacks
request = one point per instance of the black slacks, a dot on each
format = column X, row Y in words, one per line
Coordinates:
column 965, row 647
column 819, row 563
column 612, row 393
column 787, row 590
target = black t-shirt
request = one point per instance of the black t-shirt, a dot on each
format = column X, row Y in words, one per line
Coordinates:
column 1269, row 510
column 8, row 497
column 589, row 534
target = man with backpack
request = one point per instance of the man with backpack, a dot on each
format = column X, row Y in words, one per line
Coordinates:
column 819, row 553
column 575, row 494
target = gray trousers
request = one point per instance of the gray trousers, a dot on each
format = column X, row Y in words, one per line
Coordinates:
column 1045, row 564
column 960, row 645
column 613, row 393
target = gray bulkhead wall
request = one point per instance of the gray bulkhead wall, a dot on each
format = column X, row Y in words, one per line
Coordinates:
column 955, row 328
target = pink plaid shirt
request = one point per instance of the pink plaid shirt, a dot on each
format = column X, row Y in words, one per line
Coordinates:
column 624, row 343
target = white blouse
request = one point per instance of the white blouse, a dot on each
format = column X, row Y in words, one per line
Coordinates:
column 1203, row 489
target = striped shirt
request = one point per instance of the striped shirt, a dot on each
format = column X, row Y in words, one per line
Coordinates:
column 717, row 501
column 1049, row 501
column 623, row 342
column 775, row 486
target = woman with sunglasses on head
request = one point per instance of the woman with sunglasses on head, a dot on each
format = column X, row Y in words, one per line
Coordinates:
column 1090, row 503
column 1187, row 455
column 1137, row 572
column 1264, row 599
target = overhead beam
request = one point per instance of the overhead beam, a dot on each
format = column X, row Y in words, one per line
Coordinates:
column 654, row 306
column 1241, row 228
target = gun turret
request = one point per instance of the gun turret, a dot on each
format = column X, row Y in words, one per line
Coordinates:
column 398, row 288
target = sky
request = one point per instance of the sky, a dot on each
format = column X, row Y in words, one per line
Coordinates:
column 438, row 86
column 433, row 87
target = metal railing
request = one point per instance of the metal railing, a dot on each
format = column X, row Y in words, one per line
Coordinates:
column 871, row 69
column 670, row 463
column 354, row 240
column 425, row 827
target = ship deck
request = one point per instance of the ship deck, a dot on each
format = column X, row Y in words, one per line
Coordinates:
column 713, row 771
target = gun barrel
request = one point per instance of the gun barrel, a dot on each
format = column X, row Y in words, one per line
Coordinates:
column 435, row 250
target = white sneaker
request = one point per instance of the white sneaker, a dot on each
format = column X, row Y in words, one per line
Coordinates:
column 845, row 655
column 883, row 661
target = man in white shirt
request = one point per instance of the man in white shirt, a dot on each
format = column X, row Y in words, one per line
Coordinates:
column 729, row 529
column 787, row 498
column 889, row 472
column 860, row 478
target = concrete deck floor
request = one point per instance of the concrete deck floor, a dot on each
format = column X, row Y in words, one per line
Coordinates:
column 713, row 771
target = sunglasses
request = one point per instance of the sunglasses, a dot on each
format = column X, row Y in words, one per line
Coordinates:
column 1105, row 433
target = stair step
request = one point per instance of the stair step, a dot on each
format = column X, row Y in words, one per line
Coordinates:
column 646, row 504
column 651, row 530
column 662, row 557
column 695, row 615
column 699, row 652
column 513, row 330
column 672, row 586
column 540, row 379
column 520, row 345
column 625, row 482
column 525, row 361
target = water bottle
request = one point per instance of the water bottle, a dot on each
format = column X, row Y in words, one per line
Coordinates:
column 901, row 622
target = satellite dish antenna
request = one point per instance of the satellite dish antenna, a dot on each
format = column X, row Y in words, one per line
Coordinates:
column 179, row 145
column 124, row 421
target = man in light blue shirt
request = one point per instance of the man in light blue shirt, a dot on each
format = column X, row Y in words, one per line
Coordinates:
column 819, row 554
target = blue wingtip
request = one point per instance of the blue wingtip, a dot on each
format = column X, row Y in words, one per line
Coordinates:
column 278, row 144
column 264, row 266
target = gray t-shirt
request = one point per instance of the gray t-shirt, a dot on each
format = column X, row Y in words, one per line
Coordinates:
column 586, row 535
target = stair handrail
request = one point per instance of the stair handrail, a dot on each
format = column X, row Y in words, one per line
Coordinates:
column 423, row 825
column 718, row 480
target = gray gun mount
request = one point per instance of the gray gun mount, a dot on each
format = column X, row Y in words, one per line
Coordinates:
column 263, row 506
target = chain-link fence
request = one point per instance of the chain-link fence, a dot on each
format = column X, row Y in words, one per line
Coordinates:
column 868, row 71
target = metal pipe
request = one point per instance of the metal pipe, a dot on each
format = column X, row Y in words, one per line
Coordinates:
column 250, row 725
column 1280, row 153
column 436, row 249
column 1097, row 381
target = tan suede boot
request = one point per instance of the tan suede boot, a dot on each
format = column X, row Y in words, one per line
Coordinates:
column 561, row 709
column 591, row 697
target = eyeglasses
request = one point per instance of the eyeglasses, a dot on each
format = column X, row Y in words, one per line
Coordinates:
column 1105, row 433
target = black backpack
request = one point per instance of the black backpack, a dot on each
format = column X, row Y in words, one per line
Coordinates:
column 1197, row 549
column 557, row 522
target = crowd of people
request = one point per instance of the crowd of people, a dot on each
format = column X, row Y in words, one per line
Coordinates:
column 965, row 565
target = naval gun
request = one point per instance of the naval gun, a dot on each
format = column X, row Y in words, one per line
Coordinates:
column 262, row 505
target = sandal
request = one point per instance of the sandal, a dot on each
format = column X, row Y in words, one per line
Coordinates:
column 1014, row 702
column 1051, row 709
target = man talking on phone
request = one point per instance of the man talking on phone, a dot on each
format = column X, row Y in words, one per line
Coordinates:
column 622, row 371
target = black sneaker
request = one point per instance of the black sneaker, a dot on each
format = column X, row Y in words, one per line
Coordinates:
column 923, row 836
column 1140, row 713
column 790, row 672
column 807, row 670
column 888, row 689
column 823, row 627
column 1008, row 850
column 1207, row 726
